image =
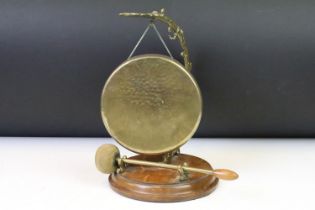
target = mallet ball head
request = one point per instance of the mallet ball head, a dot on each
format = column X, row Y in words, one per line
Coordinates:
column 106, row 158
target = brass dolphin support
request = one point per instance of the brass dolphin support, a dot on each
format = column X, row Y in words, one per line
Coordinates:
column 177, row 32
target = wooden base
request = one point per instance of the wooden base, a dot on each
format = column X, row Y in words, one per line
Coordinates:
column 164, row 185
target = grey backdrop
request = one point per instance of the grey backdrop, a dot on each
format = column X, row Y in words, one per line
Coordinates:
column 254, row 61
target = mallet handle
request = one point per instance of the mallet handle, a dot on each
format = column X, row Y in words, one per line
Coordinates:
column 224, row 174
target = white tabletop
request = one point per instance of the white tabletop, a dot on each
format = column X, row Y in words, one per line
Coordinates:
column 59, row 173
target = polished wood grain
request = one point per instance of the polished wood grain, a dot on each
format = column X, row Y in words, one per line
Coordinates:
column 161, row 184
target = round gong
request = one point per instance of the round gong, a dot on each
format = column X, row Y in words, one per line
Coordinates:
column 151, row 104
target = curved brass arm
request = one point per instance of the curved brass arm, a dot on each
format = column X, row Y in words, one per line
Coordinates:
column 173, row 28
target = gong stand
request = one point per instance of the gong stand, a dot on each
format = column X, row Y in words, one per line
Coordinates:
column 151, row 105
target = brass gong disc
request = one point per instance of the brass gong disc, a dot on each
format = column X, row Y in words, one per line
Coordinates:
column 151, row 104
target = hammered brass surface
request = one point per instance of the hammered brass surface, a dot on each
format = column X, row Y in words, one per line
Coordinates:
column 151, row 104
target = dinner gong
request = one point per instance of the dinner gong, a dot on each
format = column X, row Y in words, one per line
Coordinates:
column 152, row 105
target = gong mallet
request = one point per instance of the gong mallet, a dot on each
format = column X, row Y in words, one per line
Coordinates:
column 107, row 157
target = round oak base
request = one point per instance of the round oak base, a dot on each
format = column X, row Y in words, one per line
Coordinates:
column 164, row 185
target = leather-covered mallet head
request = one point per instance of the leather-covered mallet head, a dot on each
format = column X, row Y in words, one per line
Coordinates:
column 106, row 158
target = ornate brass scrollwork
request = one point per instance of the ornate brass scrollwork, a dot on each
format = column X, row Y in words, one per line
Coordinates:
column 173, row 28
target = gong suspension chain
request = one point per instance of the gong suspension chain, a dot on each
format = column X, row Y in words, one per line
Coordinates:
column 151, row 25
